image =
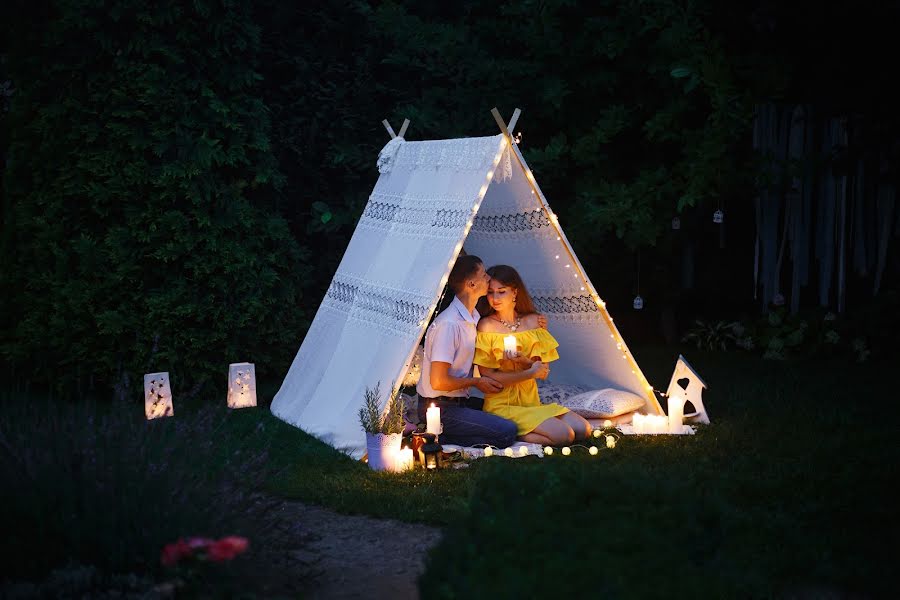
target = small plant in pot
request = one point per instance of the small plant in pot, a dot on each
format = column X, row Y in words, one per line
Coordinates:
column 383, row 425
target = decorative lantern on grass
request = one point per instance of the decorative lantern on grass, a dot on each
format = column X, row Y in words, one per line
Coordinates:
column 241, row 385
column 157, row 396
column 431, row 452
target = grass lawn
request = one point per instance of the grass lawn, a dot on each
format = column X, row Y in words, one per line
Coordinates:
column 785, row 494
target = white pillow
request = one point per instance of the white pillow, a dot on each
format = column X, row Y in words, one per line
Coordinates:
column 556, row 393
column 603, row 404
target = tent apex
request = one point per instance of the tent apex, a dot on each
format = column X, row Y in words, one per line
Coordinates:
column 502, row 124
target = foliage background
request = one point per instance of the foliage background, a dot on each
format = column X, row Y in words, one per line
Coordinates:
column 180, row 181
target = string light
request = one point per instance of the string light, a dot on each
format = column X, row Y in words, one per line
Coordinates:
column 488, row 451
column 610, row 441
column 523, row 450
column 566, row 451
column 593, row 450
column 597, row 433
column 554, row 219
column 508, row 452
column 548, row 450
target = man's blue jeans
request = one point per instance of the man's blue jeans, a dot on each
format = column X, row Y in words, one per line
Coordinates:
column 470, row 427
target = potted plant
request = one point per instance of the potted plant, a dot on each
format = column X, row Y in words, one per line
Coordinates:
column 383, row 426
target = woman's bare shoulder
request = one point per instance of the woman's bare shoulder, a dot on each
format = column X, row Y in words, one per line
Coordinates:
column 487, row 325
column 530, row 321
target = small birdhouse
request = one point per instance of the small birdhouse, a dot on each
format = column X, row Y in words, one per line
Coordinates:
column 718, row 216
column 638, row 303
column 157, row 396
column 241, row 385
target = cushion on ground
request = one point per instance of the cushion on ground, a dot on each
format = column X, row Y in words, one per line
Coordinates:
column 603, row 404
column 556, row 393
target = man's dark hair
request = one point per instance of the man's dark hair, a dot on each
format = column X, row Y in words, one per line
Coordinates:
column 465, row 267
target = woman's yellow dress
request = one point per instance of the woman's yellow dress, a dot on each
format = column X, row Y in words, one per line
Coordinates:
column 518, row 402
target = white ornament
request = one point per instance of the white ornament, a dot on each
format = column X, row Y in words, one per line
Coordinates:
column 692, row 391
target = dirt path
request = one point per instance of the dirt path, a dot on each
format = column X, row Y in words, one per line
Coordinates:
column 356, row 556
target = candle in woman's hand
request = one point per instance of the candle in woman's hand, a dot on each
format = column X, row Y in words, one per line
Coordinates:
column 509, row 344
column 433, row 420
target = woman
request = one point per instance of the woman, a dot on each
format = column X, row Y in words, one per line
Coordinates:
column 510, row 311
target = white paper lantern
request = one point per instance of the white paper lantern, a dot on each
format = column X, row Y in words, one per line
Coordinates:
column 157, row 396
column 241, row 385
column 718, row 216
column 638, row 303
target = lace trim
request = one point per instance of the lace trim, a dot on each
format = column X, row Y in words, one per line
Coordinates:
column 527, row 221
column 466, row 154
column 395, row 309
column 576, row 303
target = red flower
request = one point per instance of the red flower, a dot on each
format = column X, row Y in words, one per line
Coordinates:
column 199, row 543
column 227, row 548
column 172, row 553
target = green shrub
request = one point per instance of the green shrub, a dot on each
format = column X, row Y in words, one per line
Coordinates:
column 140, row 217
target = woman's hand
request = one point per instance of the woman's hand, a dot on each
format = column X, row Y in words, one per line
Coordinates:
column 539, row 370
column 516, row 357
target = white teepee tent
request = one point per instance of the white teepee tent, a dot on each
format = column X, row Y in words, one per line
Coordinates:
column 430, row 198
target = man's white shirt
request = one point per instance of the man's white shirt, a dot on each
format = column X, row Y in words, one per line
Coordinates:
column 451, row 339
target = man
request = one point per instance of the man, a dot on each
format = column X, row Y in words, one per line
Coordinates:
column 447, row 365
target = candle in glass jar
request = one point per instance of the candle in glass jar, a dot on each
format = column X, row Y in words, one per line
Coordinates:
column 433, row 420
column 404, row 460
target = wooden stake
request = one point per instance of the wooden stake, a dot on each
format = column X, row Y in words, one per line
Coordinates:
column 500, row 122
column 514, row 120
column 403, row 128
column 390, row 130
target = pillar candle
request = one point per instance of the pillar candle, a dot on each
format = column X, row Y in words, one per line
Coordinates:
column 637, row 423
column 509, row 343
column 433, row 420
column 676, row 414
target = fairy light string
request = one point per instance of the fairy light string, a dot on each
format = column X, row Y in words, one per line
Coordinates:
column 578, row 271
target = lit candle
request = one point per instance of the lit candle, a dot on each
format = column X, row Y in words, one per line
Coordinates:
column 509, row 343
column 637, row 422
column 676, row 414
column 404, row 460
column 433, row 420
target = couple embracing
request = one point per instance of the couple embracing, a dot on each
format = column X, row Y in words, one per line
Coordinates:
column 463, row 335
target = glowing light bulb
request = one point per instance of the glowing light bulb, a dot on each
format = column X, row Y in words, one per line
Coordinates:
column 566, row 451
column 508, row 452
column 548, row 450
column 523, row 451
column 593, row 450
column 607, row 424
column 597, row 433
column 488, row 451
column 582, row 288
column 610, row 441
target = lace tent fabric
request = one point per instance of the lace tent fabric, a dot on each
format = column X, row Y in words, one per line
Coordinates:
column 432, row 197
